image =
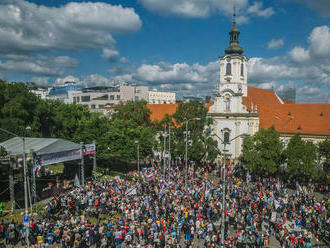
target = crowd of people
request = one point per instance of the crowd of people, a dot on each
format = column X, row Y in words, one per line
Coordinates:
column 178, row 210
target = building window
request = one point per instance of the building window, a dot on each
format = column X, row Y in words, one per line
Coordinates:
column 227, row 104
column 242, row 69
column 118, row 97
column 228, row 69
column 85, row 98
column 78, row 99
column 112, row 97
column 136, row 98
column 93, row 106
column 101, row 106
column 226, row 137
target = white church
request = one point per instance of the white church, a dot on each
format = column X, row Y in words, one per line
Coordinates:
column 240, row 109
column 231, row 117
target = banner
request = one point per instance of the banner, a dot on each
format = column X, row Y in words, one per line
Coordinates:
column 58, row 157
column 273, row 217
column 89, row 149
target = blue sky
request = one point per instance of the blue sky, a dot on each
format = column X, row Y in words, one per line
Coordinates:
column 170, row 45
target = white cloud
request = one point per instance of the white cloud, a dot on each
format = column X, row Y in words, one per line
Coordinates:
column 204, row 8
column 176, row 73
column 27, row 27
column 320, row 41
column 274, row 44
column 109, row 54
column 38, row 65
column 96, row 80
column 69, row 78
column 41, row 81
column 256, row 9
column 300, row 55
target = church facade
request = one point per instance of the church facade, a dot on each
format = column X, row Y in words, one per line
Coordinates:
column 231, row 118
column 240, row 110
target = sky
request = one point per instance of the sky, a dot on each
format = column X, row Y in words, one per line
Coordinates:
column 169, row 45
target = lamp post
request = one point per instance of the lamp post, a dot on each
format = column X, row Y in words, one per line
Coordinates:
column 138, row 156
column 169, row 146
column 186, row 157
column 164, row 152
column 225, row 142
column 27, row 224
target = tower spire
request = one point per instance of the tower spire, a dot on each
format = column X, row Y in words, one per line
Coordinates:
column 234, row 16
column 234, row 48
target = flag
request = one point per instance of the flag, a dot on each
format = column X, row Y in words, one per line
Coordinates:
column 76, row 181
column 162, row 191
column 131, row 191
column 150, row 177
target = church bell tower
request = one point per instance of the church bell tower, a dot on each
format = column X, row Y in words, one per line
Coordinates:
column 233, row 72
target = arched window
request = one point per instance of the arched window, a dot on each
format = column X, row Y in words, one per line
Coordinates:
column 242, row 69
column 226, row 137
column 227, row 104
column 228, row 69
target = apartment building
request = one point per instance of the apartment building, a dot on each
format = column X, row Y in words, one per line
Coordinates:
column 160, row 97
column 97, row 98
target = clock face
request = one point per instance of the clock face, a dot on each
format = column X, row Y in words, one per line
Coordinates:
column 228, row 59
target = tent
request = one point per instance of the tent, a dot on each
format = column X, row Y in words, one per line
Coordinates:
column 47, row 151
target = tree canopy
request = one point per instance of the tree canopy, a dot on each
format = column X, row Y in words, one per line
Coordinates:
column 263, row 151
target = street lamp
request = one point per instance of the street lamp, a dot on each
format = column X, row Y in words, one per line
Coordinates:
column 225, row 142
column 164, row 152
column 186, row 169
column 25, row 185
column 138, row 156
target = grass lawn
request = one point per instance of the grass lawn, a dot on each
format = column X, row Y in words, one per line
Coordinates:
column 57, row 168
column 17, row 215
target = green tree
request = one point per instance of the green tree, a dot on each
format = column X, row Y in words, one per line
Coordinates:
column 263, row 151
column 324, row 152
column 66, row 119
column 301, row 158
column 119, row 141
column 201, row 147
column 136, row 111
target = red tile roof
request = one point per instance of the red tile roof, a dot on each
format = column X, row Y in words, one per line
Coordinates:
column 311, row 119
column 293, row 118
column 258, row 96
column 158, row 111
column 288, row 101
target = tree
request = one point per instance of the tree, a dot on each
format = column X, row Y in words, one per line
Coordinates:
column 201, row 147
column 324, row 152
column 263, row 151
column 301, row 157
column 119, row 141
column 3, row 152
column 136, row 111
column 66, row 118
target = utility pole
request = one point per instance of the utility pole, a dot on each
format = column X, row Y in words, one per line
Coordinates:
column 223, row 195
column 82, row 164
column 169, row 146
column 94, row 157
column 186, row 169
column 164, row 162
column 27, row 223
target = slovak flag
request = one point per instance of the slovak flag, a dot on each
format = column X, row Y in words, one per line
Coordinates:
column 150, row 177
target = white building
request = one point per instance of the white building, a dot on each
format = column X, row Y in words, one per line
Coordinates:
column 97, row 98
column 160, row 97
column 40, row 92
column 231, row 117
